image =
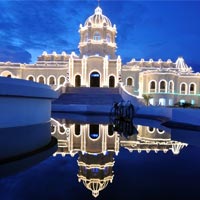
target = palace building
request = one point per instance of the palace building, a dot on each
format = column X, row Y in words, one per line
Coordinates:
column 98, row 65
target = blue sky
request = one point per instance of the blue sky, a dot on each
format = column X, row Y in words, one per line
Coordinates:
column 146, row 29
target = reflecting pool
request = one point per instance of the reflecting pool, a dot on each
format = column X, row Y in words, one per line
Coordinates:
column 100, row 157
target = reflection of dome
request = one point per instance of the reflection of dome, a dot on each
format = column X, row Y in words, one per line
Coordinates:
column 96, row 185
column 98, row 19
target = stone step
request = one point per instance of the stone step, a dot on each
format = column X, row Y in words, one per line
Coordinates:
column 93, row 90
column 90, row 96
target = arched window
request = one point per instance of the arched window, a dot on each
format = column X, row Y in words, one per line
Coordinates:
column 7, row 74
column 41, row 79
column 152, row 86
column 162, row 86
column 183, row 88
column 129, row 81
column 171, row 87
column 94, row 131
column 61, row 80
column 53, row 129
column 111, row 81
column 52, row 80
column 61, row 130
column 30, row 78
column 150, row 129
column 160, row 131
column 77, row 81
column 192, row 88
column 77, row 129
column 97, row 36
column 108, row 38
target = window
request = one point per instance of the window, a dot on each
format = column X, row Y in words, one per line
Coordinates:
column 192, row 101
column 160, row 131
column 77, row 129
column 61, row 130
column 183, row 88
column 30, row 78
column 162, row 86
column 192, row 88
column 61, row 80
column 108, row 38
column 171, row 102
column 53, row 129
column 97, row 36
column 41, row 79
column 162, row 101
column 129, row 81
column 152, row 87
column 94, row 131
column 52, row 80
column 150, row 129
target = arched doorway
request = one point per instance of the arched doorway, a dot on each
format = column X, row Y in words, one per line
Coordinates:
column 111, row 81
column 77, row 81
column 94, row 79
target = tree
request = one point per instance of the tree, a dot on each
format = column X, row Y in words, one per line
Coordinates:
column 147, row 97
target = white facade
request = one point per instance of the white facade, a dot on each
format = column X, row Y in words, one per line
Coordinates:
column 166, row 82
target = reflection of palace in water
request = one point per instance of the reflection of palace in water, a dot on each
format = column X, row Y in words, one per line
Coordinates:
column 97, row 144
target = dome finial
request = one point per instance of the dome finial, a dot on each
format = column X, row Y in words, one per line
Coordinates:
column 98, row 2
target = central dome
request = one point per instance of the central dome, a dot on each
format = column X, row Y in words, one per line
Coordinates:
column 98, row 19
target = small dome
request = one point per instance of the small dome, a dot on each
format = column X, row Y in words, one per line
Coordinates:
column 98, row 18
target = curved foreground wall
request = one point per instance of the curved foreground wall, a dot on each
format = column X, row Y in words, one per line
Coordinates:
column 25, row 136
column 24, row 102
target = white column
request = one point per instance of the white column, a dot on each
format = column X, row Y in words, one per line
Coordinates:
column 105, row 72
column 119, row 64
column 71, row 70
column 84, row 71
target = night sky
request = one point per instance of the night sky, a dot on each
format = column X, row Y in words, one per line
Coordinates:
column 146, row 29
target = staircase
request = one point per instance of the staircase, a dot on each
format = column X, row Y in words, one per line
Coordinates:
column 89, row 96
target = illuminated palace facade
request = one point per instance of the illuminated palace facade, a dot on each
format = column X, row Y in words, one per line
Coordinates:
column 97, row 144
column 98, row 65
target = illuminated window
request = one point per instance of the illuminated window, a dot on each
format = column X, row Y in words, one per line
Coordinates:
column 108, row 38
column 183, row 88
column 162, row 101
column 97, row 36
column 192, row 101
column 182, row 101
column 171, row 102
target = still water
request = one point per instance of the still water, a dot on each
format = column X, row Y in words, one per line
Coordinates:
column 103, row 158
